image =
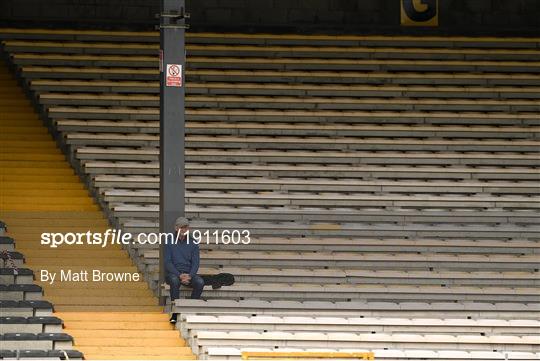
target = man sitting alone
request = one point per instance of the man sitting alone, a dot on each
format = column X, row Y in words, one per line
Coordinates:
column 182, row 264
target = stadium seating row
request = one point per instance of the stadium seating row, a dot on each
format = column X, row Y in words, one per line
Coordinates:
column 392, row 330
column 27, row 327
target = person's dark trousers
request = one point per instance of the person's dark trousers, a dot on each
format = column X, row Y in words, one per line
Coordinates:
column 196, row 283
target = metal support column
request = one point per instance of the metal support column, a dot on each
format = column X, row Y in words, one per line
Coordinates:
column 171, row 121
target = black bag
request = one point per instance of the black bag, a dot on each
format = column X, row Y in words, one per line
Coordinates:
column 219, row 280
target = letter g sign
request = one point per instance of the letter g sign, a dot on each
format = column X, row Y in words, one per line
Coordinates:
column 419, row 12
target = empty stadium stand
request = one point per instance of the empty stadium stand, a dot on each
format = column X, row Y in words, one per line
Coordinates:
column 390, row 184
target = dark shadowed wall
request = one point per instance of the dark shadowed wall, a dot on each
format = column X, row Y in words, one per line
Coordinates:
column 458, row 17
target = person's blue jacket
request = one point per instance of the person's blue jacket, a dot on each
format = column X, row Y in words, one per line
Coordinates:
column 183, row 257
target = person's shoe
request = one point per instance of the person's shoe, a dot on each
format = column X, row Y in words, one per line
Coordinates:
column 173, row 318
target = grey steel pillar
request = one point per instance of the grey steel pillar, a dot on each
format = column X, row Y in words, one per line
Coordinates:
column 171, row 121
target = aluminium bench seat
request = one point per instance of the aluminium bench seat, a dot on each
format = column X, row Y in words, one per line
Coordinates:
column 298, row 116
column 130, row 87
column 282, row 128
column 369, row 292
column 363, row 40
column 238, row 61
column 321, row 184
column 488, row 326
column 367, row 245
column 380, row 208
column 303, row 64
column 372, row 261
column 502, row 310
column 80, row 35
column 309, row 144
column 78, row 50
column 91, row 99
column 85, row 154
column 261, row 275
column 332, row 90
column 363, row 244
column 139, row 153
column 336, row 229
column 285, row 275
column 235, row 60
column 51, row 58
column 362, row 172
column 361, row 91
column 359, row 77
column 361, row 52
column 344, row 258
column 325, row 198
column 362, row 340
column 76, row 140
column 51, row 72
column 278, row 101
column 73, row 47
column 130, row 209
column 287, row 76
column 325, row 103
column 472, row 278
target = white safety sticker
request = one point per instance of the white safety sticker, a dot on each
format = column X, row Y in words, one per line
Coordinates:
column 173, row 77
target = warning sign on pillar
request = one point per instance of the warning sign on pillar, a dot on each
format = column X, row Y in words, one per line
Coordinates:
column 173, row 77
